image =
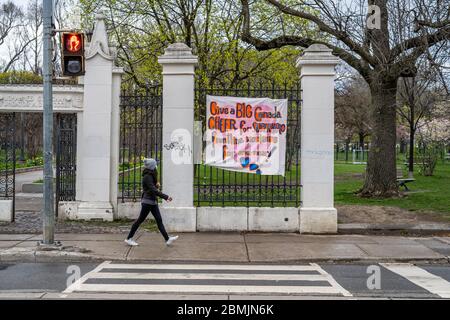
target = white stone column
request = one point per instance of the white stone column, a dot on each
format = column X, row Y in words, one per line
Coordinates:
column 178, row 65
column 115, row 139
column 317, row 214
column 98, row 137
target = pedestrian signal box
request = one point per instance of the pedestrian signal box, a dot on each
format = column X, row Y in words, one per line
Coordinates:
column 73, row 54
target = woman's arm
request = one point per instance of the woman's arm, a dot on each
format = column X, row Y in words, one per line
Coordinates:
column 150, row 184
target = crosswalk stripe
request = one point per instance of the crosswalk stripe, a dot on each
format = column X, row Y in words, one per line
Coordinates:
column 76, row 285
column 202, row 278
column 210, row 266
column 421, row 277
column 207, row 289
column 107, row 275
column 331, row 280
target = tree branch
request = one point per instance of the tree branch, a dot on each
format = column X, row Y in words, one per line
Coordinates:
column 339, row 35
column 422, row 41
column 304, row 42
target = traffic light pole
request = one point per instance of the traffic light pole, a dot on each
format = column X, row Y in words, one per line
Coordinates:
column 49, row 210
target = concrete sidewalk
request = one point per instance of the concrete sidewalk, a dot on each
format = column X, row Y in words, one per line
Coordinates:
column 227, row 247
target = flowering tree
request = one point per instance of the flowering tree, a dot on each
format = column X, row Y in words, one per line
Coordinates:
column 433, row 135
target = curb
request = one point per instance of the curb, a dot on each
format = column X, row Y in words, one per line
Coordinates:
column 29, row 169
column 25, row 255
column 32, row 188
column 28, row 255
column 420, row 229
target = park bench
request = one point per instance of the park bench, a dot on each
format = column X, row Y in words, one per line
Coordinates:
column 416, row 164
column 402, row 181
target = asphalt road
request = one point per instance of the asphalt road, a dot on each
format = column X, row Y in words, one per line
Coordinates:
column 37, row 277
column 318, row 281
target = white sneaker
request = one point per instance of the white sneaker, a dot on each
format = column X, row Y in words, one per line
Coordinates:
column 171, row 240
column 131, row 243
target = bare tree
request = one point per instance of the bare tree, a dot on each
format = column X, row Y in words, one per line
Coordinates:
column 10, row 19
column 380, row 39
column 417, row 96
column 34, row 21
column 23, row 41
column 17, row 48
column 352, row 107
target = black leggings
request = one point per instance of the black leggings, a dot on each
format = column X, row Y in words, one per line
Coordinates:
column 146, row 208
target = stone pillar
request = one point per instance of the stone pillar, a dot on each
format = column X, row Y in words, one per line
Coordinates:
column 98, row 138
column 317, row 214
column 178, row 65
column 115, row 139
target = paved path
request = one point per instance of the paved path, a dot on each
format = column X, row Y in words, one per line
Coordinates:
column 27, row 177
column 227, row 248
column 174, row 281
column 28, row 221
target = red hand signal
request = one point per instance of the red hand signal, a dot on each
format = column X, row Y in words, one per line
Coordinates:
column 74, row 43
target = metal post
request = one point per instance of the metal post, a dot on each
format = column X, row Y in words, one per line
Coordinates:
column 22, row 137
column 48, row 213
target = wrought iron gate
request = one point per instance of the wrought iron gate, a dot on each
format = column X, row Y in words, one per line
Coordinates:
column 140, row 137
column 66, row 155
column 217, row 187
column 8, row 158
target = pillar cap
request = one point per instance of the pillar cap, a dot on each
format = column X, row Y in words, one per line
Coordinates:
column 178, row 53
column 99, row 43
column 318, row 54
column 100, row 16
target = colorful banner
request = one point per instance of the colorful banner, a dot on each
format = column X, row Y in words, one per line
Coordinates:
column 246, row 134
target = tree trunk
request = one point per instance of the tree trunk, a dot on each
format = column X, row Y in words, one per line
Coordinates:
column 381, row 174
column 411, row 151
column 337, row 151
column 402, row 146
column 361, row 145
column 347, row 147
column 361, row 140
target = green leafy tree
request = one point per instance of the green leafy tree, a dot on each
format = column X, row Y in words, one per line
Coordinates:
column 142, row 29
column 19, row 77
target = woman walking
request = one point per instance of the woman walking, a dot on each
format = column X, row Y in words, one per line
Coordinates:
column 149, row 202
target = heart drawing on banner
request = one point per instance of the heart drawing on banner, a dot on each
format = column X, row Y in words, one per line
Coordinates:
column 245, row 162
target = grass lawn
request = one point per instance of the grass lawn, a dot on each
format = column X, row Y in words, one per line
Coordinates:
column 342, row 169
column 426, row 193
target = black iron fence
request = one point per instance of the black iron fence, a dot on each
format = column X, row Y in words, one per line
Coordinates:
column 65, row 150
column 217, row 187
column 140, row 137
column 66, row 155
column 8, row 157
column 351, row 152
